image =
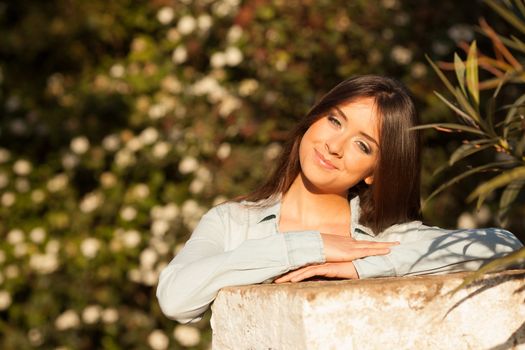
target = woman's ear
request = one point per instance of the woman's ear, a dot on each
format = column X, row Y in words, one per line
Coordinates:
column 369, row 180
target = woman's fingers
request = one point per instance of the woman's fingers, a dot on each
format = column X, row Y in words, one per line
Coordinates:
column 333, row 270
column 341, row 248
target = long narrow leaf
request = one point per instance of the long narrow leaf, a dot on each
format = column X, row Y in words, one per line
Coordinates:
column 472, row 72
column 455, row 108
column 465, row 151
column 459, row 67
column 501, row 180
column 441, row 75
column 479, row 169
column 521, row 7
column 507, row 15
column 511, row 113
column 513, row 258
column 449, row 126
column 509, row 195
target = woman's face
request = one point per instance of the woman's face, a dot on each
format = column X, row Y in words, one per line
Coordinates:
column 342, row 148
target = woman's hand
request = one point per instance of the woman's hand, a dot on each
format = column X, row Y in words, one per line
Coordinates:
column 344, row 270
column 342, row 248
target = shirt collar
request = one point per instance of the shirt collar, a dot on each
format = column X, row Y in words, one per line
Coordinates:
column 272, row 211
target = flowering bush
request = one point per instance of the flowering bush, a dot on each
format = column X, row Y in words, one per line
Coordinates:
column 123, row 122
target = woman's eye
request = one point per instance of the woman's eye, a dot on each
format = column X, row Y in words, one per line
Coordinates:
column 333, row 120
column 364, row 147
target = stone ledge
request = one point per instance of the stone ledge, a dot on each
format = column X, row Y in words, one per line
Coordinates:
column 385, row 313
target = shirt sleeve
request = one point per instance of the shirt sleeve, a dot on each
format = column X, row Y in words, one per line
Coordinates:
column 191, row 281
column 431, row 250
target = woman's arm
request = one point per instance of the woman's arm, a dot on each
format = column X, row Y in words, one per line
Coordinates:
column 431, row 250
column 193, row 278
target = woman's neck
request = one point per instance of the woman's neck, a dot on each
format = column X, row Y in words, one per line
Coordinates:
column 301, row 206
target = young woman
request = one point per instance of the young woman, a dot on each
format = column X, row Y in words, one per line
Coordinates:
column 343, row 202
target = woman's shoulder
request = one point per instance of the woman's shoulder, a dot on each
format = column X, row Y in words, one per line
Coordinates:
column 244, row 212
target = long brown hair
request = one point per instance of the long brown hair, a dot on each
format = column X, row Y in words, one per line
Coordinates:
column 394, row 195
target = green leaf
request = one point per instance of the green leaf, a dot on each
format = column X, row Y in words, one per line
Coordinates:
column 501, row 180
column 500, row 263
column 455, row 108
column 474, row 115
column 459, row 67
column 511, row 115
column 467, row 150
column 507, row 15
column 509, row 195
column 441, row 76
column 450, row 126
column 520, row 146
column 482, row 168
column 472, row 72
column 521, row 7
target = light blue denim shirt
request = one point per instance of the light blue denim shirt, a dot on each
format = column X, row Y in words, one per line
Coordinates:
column 234, row 244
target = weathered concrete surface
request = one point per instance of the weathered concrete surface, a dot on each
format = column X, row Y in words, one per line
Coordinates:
column 387, row 313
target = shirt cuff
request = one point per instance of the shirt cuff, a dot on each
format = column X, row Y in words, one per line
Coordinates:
column 305, row 247
column 374, row 266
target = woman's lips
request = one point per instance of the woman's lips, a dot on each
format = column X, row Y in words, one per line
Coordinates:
column 323, row 161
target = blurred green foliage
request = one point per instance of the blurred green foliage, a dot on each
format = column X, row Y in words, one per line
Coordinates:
column 122, row 122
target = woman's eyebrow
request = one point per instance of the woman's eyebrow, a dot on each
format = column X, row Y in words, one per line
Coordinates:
column 365, row 135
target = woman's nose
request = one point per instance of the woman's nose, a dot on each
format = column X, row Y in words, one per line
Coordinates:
column 335, row 146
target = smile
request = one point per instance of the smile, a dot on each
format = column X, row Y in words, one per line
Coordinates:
column 325, row 163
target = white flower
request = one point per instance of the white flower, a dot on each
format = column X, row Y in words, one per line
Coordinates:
column 149, row 135
column 483, row 215
column 90, row 247
column 131, row 238
column 205, row 86
column 180, row 55
column 161, row 149
column 149, row 277
column 401, row 55
column 44, row 263
column 157, row 111
column 173, row 35
column 5, row 300
column 110, row 315
column 159, row 227
column 22, row 167
column 134, row 144
column 171, row 84
column 5, row 155
column 68, row 319
column 204, row 22
column 219, row 199
column 466, row 221
column 158, row 340
column 191, row 213
column 125, row 158
column 461, row 32
column 57, row 183
column 248, row 86
column 188, row 165
column 272, row 151
column 22, row 185
column 91, row 314
column 20, row 250
column 148, row 258
column 38, row 196
column 37, row 235
column 128, row 213
column 228, row 105
column 234, row 34
column 35, row 337
column 108, row 179
column 170, row 211
column 79, row 145
column 111, row 143
column 196, row 186
column 418, row 70
column 12, row 271
column 91, row 202
column 8, row 199
column 53, row 246
column 224, row 151
column 187, row 336
column 165, row 15
column 134, row 275
column 117, row 71
column 4, row 180
column 186, row 25
column 233, row 56
column 390, row 4
column 140, row 191
column 15, row 236
column 69, row 160
column 161, row 247
column 218, row 60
